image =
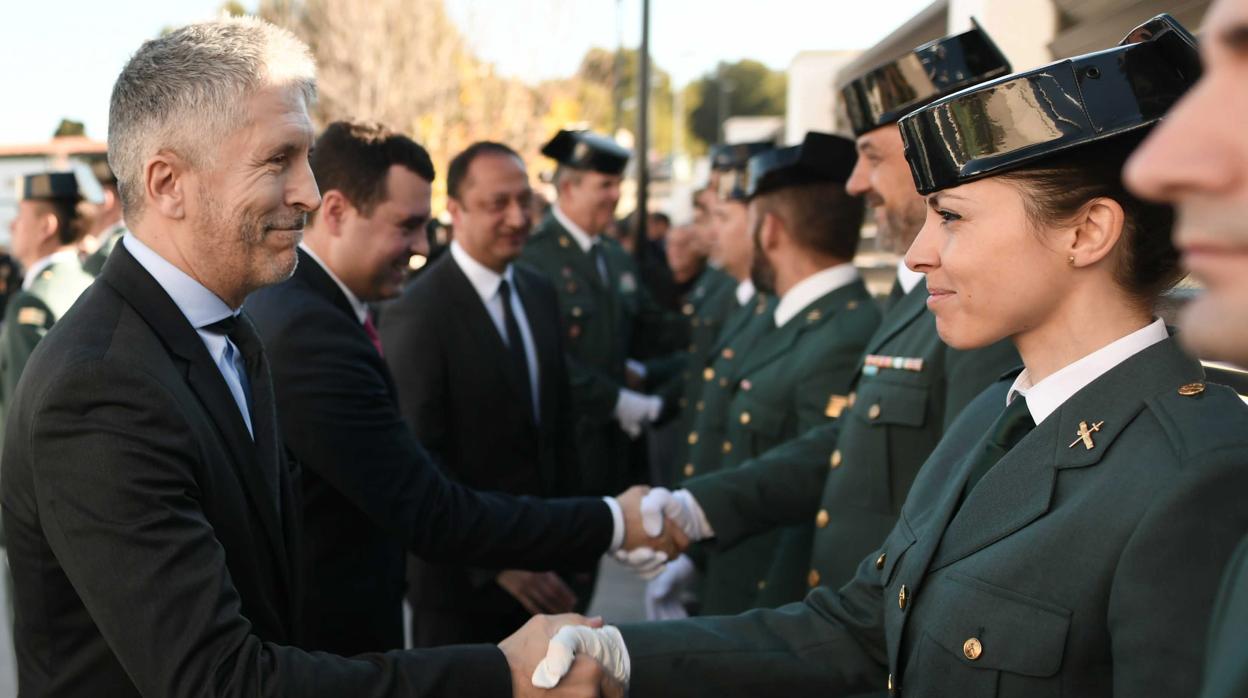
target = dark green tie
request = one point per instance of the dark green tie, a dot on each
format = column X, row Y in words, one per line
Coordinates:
column 894, row 296
column 1010, row 428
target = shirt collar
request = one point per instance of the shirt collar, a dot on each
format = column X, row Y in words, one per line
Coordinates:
column 908, row 279
column 1045, row 397
column 745, row 291
column 37, row 268
column 360, row 308
column 812, row 288
column 583, row 239
column 485, row 280
column 200, row 306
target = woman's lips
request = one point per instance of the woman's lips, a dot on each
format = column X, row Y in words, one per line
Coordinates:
column 936, row 295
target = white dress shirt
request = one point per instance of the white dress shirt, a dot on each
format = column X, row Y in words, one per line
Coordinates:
column 745, row 291
column 1045, row 397
column 37, row 268
column 486, row 282
column 201, row 308
column 584, row 240
column 811, row 289
column 909, row 279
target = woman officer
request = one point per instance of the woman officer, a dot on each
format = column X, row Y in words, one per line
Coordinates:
column 1066, row 536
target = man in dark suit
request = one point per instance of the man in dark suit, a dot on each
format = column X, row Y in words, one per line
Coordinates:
column 371, row 491
column 477, row 330
column 152, row 522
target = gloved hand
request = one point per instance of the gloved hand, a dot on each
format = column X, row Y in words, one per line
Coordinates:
column 606, row 645
column 633, row 409
column 646, row 562
column 664, row 592
column 680, row 507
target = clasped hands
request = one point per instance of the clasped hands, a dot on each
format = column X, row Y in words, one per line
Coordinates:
column 648, row 543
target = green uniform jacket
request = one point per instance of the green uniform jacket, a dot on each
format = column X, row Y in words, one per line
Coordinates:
column 780, row 389
column 94, row 263
column 603, row 327
column 1226, row 667
column 846, row 480
column 710, row 303
column 742, row 330
column 1066, row 572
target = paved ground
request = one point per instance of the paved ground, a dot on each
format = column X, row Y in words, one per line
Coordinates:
column 620, row 597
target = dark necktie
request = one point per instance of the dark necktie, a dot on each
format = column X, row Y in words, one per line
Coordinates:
column 1005, row 433
column 894, row 296
column 259, row 390
column 595, row 256
column 515, row 343
column 371, row 330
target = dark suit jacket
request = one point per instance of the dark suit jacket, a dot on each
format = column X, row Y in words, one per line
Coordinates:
column 469, row 408
column 1066, row 571
column 370, row 490
column 148, row 553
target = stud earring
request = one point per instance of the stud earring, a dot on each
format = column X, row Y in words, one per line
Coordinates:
column 1071, row 259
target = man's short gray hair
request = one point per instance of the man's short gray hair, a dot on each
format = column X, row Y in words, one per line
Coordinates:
column 185, row 92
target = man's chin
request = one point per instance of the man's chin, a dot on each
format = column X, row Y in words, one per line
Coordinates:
column 1213, row 326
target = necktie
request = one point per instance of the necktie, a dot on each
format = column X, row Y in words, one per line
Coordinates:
column 1010, row 428
column 371, row 330
column 895, row 295
column 515, row 343
column 258, row 388
column 595, row 256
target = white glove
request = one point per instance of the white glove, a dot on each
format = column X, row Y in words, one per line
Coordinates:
column 664, row 592
column 603, row 644
column 646, row 562
column 632, row 409
column 679, row 506
column 636, row 367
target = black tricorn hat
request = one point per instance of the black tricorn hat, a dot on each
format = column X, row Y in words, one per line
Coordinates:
column 997, row 126
column 732, row 162
column 821, row 157
column 938, row 68
column 51, row 186
column 585, row 150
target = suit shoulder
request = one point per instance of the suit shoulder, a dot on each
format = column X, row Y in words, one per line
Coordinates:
column 1202, row 420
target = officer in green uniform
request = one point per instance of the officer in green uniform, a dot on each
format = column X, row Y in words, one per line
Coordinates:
column 1197, row 160
column 1067, row 535
column 806, row 230
column 606, row 314
column 108, row 227
column 732, row 323
column 45, row 233
column 846, row 480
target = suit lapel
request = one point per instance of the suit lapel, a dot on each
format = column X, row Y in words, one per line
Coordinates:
column 899, row 316
column 150, row 300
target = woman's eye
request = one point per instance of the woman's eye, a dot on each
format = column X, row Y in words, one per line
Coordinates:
column 948, row 216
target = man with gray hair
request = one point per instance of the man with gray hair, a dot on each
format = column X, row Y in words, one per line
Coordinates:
column 151, row 517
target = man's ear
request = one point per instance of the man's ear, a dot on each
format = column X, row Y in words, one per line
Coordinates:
column 334, row 211
column 772, row 232
column 167, row 180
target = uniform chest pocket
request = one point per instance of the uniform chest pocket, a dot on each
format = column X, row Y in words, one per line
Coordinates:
column 884, row 402
column 759, row 419
column 978, row 639
column 898, row 542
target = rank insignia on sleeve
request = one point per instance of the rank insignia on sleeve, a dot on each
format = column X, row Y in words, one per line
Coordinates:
column 32, row 316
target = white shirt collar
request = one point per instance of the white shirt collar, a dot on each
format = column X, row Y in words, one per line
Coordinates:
column 583, row 239
column 37, row 268
column 360, row 307
column 812, row 288
column 1045, row 397
column 745, row 291
column 200, row 306
column 908, row 279
column 485, row 280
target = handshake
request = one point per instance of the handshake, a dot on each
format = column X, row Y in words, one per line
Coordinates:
column 658, row 526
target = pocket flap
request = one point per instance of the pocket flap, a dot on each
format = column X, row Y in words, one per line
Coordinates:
column 880, row 401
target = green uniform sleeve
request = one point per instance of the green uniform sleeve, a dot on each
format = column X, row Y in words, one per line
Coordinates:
column 26, row 322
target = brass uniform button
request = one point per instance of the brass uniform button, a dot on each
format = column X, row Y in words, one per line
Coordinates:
column 903, row 597
column 879, row 561
column 813, row 578
column 836, row 458
column 687, row 309
column 892, row 685
column 1191, row 389
column 728, row 353
column 723, row 382
column 874, row 412
column 762, row 584
column 821, row 519
column 564, row 242
column 745, row 417
column 576, row 311
column 688, row 469
column 708, row 374
column 700, row 405
column 693, row 437
column 727, row 447
column 972, row 648
column 851, row 305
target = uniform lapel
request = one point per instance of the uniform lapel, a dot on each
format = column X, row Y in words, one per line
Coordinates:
column 899, row 316
column 777, row 344
column 150, row 300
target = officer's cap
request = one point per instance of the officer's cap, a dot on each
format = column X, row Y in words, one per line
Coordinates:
column 731, row 162
column 585, row 150
column 999, row 125
column 50, row 186
column 821, row 157
column 884, row 94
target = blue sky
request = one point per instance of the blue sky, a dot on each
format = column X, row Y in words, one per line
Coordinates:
column 59, row 58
